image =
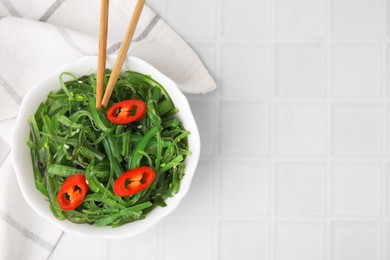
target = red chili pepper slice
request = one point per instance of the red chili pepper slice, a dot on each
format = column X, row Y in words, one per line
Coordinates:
column 126, row 111
column 133, row 181
column 72, row 192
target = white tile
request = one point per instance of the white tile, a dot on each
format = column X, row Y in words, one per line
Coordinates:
column 76, row 247
column 299, row 241
column 300, row 188
column 300, row 69
column 244, row 188
column 245, row 70
column 205, row 116
column 387, row 68
column 388, row 236
column 387, row 189
column 142, row 246
column 187, row 239
column 356, row 129
column 199, row 200
column 356, row 19
column 192, row 18
column 387, row 131
column 300, row 18
column 244, row 128
column 355, row 240
column 356, row 69
column 356, row 188
column 245, row 18
column 387, row 20
column 300, row 128
column 244, row 240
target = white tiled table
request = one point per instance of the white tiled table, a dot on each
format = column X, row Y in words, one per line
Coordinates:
column 296, row 149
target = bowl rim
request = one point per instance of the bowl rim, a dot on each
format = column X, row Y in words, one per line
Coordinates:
column 87, row 64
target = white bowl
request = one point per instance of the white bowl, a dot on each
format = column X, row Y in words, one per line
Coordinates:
column 21, row 157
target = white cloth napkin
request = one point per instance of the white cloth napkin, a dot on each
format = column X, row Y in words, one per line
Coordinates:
column 36, row 37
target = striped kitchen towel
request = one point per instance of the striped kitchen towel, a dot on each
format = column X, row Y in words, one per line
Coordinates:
column 36, row 37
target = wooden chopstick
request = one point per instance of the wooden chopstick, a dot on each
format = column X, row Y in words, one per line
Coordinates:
column 101, row 68
column 123, row 52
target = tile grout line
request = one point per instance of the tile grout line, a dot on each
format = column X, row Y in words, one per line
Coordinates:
column 216, row 219
column 283, row 218
column 216, row 98
column 300, row 158
column 328, row 93
column 272, row 128
column 284, row 41
column 383, row 191
column 309, row 99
